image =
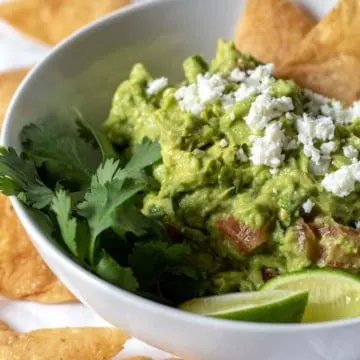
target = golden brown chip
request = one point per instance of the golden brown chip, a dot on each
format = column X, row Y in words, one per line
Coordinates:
column 61, row 344
column 328, row 59
column 52, row 20
column 4, row 326
column 145, row 358
column 23, row 274
column 9, row 81
column 271, row 29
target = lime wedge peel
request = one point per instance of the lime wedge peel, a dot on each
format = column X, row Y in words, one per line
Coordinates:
column 333, row 294
column 276, row 306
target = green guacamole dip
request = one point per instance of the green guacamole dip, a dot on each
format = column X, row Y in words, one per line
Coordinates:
column 259, row 176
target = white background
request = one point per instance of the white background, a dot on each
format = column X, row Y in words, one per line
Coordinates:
column 16, row 51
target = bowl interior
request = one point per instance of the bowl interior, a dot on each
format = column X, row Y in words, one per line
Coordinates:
column 84, row 71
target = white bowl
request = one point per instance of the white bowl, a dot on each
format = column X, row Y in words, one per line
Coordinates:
column 84, row 71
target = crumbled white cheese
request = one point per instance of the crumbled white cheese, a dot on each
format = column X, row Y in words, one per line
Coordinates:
column 155, row 86
column 188, row 99
column 342, row 181
column 274, row 171
column 261, row 77
column 337, row 112
column 328, row 147
column 316, row 97
column 266, row 108
column 305, row 126
column 210, row 87
column 356, row 109
column 244, row 92
column 357, row 224
column 324, row 128
column 321, row 104
column 237, row 75
column 314, row 101
column 350, row 152
column 288, row 116
column 241, row 156
column 312, row 153
column 309, row 128
column 232, row 116
column 267, row 150
column 266, row 86
column 308, row 206
column 326, row 109
column 228, row 101
column 223, row 143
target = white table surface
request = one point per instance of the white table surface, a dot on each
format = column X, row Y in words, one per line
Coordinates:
column 16, row 51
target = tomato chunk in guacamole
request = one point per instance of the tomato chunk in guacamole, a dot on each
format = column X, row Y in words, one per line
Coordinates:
column 259, row 176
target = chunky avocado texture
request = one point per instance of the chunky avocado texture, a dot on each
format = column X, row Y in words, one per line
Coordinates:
column 259, row 176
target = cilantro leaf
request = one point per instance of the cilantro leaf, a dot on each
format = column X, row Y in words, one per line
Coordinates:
column 74, row 231
column 105, row 173
column 59, row 151
column 100, row 207
column 61, row 205
column 18, row 176
column 145, row 154
column 110, row 270
column 130, row 220
column 95, row 137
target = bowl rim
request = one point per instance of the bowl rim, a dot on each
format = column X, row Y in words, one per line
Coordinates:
column 43, row 241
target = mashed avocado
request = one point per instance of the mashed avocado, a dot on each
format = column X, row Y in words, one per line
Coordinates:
column 257, row 175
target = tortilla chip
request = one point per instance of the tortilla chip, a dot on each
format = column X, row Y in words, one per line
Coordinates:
column 328, row 59
column 51, row 21
column 9, row 81
column 4, row 326
column 60, row 344
column 145, row 358
column 23, row 274
column 271, row 29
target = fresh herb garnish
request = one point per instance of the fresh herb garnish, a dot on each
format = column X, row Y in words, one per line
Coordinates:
column 94, row 209
column 94, row 136
column 18, row 176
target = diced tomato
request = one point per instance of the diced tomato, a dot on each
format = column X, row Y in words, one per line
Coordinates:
column 244, row 238
column 339, row 244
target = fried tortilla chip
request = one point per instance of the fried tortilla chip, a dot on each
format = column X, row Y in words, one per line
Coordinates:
column 23, row 274
column 271, row 29
column 61, row 344
column 138, row 358
column 51, row 21
column 9, row 81
column 328, row 59
column 4, row 326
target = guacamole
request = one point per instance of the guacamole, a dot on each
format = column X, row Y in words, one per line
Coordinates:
column 258, row 176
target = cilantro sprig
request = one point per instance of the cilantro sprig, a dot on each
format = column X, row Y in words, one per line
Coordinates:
column 80, row 184
column 18, row 176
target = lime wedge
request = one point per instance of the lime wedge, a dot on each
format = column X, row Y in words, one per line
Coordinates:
column 268, row 306
column 333, row 294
